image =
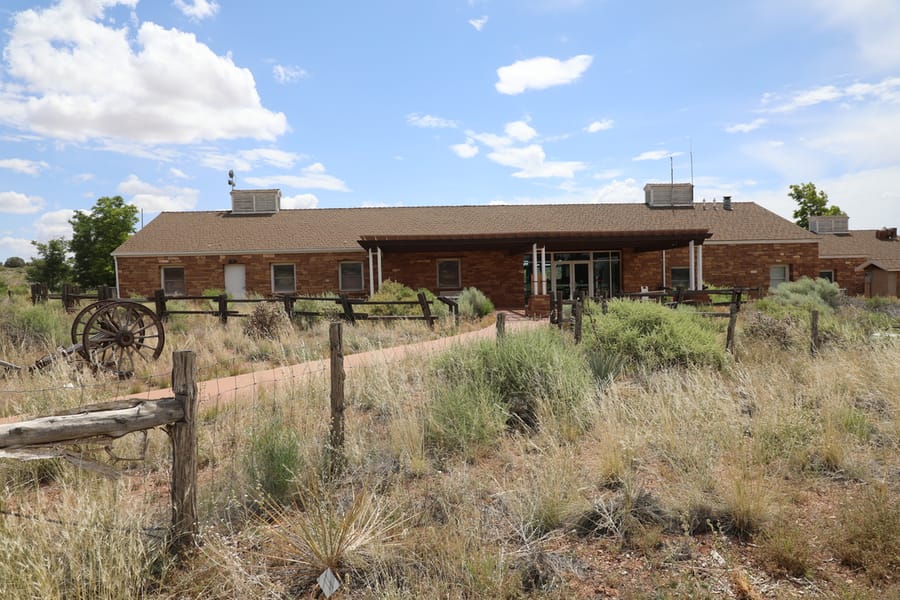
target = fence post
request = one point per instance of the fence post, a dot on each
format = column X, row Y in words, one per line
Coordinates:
column 814, row 332
column 501, row 325
column 335, row 449
column 426, row 309
column 159, row 298
column 223, row 308
column 184, row 453
column 732, row 321
column 578, row 309
column 559, row 310
column 289, row 306
column 348, row 308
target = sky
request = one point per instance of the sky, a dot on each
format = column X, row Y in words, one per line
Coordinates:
column 359, row 103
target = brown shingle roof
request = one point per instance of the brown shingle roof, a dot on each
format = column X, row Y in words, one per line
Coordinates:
column 886, row 264
column 861, row 243
column 342, row 228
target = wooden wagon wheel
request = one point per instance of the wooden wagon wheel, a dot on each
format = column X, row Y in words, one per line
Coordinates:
column 120, row 331
column 79, row 323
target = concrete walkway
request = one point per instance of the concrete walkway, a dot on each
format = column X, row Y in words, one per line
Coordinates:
column 248, row 385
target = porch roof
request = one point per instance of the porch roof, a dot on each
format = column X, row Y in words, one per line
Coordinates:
column 552, row 240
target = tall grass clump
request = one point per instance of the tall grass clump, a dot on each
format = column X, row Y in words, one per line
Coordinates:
column 39, row 326
column 274, row 459
column 268, row 320
column 473, row 304
column 466, row 418
column 869, row 534
column 532, row 376
column 649, row 335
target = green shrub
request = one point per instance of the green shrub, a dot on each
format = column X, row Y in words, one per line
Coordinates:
column 808, row 294
column 394, row 291
column 466, row 418
column 532, row 374
column 650, row 335
column 473, row 304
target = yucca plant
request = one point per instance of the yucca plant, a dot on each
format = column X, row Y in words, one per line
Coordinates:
column 328, row 533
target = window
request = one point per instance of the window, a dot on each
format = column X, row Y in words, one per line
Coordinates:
column 448, row 274
column 681, row 277
column 283, row 281
column 777, row 275
column 351, row 276
column 173, row 281
column 828, row 275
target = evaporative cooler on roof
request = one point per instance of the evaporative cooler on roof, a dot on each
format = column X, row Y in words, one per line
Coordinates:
column 669, row 195
column 255, row 201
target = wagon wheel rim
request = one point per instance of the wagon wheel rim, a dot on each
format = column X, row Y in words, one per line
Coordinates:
column 119, row 333
column 81, row 319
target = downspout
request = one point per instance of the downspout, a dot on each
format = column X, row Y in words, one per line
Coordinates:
column 371, row 275
column 379, row 268
column 692, row 275
column 543, row 275
column 116, row 265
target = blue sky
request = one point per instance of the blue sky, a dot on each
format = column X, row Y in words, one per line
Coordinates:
column 430, row 102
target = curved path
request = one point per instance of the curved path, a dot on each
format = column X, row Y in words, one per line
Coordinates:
column 239, row 387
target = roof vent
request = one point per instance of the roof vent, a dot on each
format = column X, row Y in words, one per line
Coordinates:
column 252, row 202
column 669, row 195
column 726, row 202
column 886, row 235
column 829, row 224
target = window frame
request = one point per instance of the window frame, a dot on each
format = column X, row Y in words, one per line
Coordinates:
column 163, row 279
column 458, row 283
column 786, row 269
column 362, row 276
column 274, row 279
column 829, row 277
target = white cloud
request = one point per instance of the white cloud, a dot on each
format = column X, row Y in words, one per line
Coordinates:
column 21, row 165
column 465, row 150
column 153, row 198
column 167, row 88
column 19, row 204
column 430, row 121
column 84, row 177
column 531, row 162
column 872, row 23
column 10, row 246
column 885, row 91
column 299, row 201
column 656, row 155
column 746, row 127
column 540, row 73
column 178, row 173
column 54, row 224
column 479, row 23
column 288, row 73
column 247, row 160
column 311, row 177
column 197, row 9
column 520, row 131
column 603, row 125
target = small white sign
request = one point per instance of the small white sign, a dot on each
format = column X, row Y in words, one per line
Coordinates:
column 328, row 583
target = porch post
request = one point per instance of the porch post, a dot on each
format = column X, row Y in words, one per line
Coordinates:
column 543, row 275
column 371, row 275
column 379, row 268
column 534, row 280
column 692, row 275
column 664, row 268
column 700, row 267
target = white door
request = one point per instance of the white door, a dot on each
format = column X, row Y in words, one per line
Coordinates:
column 235, row 279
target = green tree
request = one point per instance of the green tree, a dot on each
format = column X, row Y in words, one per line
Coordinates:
column 14, row 262
column 94, row 237
column 52, row 267
column 810, row 203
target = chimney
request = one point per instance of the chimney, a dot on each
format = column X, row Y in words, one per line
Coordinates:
column 726, row 202
column 886, row 235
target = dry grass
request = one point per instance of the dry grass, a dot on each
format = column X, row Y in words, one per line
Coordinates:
column 785, row 466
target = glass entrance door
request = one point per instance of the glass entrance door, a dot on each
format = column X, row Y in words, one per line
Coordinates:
column 572, row 278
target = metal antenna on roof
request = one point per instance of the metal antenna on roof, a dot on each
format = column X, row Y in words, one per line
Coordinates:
column 691, row 142
column 231, row 178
